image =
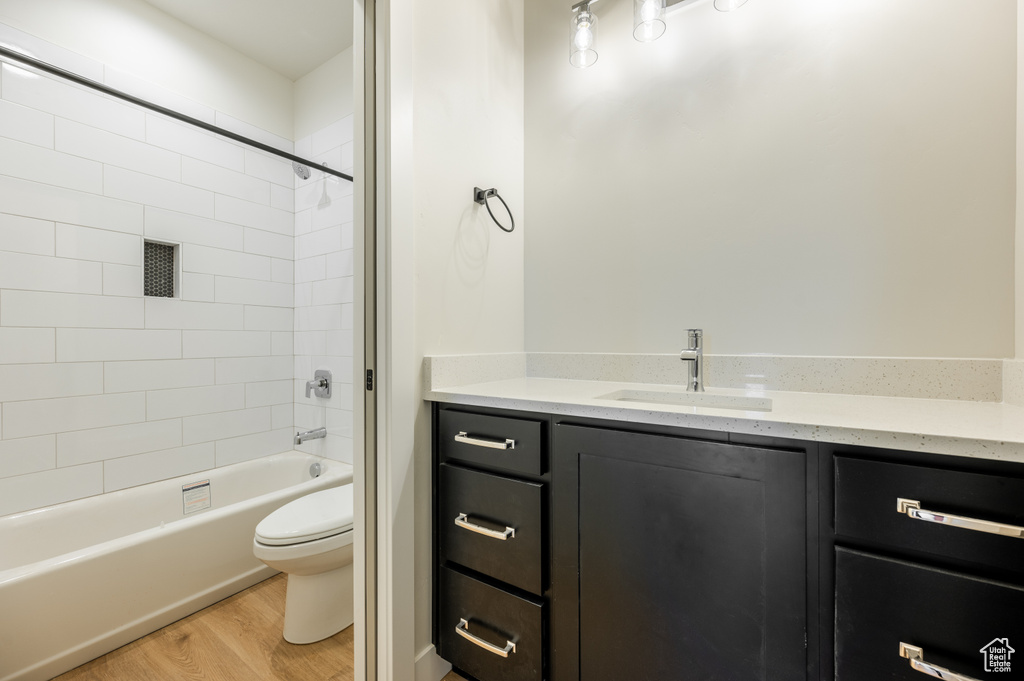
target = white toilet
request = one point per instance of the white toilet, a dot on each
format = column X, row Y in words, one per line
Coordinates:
column 310, row 539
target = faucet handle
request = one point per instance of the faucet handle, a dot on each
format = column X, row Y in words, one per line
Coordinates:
column 694, row 336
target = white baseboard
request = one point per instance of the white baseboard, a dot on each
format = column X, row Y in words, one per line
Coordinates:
column 430, row 667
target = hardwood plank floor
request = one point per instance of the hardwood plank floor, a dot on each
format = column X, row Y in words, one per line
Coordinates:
column 237, row 639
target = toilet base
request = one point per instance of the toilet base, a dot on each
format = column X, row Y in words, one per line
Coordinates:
column 318, row 606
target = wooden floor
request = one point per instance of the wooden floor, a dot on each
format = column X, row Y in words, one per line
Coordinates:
column 238, row 639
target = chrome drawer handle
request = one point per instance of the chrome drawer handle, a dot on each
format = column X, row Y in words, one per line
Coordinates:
column 463, row 522
column 462, row 629
column 917, row 663
column 913, row 509
column 465, row 439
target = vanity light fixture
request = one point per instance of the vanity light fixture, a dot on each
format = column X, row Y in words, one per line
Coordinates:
column 728, row 5
column 583, row 35
column 648, row 20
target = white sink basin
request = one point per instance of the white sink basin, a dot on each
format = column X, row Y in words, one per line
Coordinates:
column 689, row 399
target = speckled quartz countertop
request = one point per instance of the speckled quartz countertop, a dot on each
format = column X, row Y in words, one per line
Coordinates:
column 990, row 430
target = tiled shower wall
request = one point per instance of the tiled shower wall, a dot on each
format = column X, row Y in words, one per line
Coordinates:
column 101, row 388
column 324, row 287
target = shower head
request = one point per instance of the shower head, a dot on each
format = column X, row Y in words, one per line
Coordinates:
column 301, row 170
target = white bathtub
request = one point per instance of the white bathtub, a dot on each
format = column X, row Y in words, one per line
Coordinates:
column 80, row 579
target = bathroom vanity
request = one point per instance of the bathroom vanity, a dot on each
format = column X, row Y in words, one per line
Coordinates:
column 575, row 548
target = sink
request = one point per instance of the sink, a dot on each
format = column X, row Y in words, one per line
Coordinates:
column 691, row 399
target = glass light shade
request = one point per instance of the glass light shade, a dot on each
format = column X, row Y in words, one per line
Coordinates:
column 582, row 39
column 648, row 20
column 728, row 5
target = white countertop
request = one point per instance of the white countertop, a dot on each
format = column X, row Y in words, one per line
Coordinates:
column 989, row 430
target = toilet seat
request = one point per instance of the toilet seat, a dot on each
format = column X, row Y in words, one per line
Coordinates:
column 315, row 516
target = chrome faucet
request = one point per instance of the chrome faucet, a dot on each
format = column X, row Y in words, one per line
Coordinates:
column 320, row 385
column 693, row 355
column 310, row 435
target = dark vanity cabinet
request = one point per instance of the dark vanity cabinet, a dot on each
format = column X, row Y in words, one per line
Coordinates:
column 574, row 549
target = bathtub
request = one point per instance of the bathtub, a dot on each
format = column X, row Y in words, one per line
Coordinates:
column 82, row 578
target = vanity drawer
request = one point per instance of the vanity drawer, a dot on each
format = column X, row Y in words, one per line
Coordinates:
column 508, row 444
column 867, row 509
column 493, row 525
column 495, row 619
column 952, row 618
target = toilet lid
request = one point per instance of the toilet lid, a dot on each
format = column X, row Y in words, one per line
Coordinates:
column 314, row 516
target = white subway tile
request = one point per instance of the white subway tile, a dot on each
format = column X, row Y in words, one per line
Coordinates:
column 334, row 135
column 339, row 422
column 86, row 243
column 87, row 446
column 154, row 191
column 144, row 89
column 51, row 53
column 43, row 273
column 122, row 280
column 224, row 181
column 283, row 416
column 29, row 455
column 268, row 393
column 158, row 374
column 252, row 292
column 304, row 146
column 26, row 235
column 42, row 417
column 282, row 198
column 25, row 124
column 309, row 416
column 43, row 381
column 340, row 343
column 39, row 164
column 332, row 158
column 318, row 318
column 241, row 212
column 254, row 369
column 248, row 447
column 338, row 448
column 169, row 313
column 206, row 260
column 268, row 318
column 197, row 287
column 268, row 243
column 208, row 427
column 319, row 242
column 168, row 404
column 282, row 271
column 109, row 345
column 329, row 291
column 339, row 212
column 47, row 202
column 310, row 342
column 282, row 343
column 224, row 343
column 27, row 346
column 141, row 469
column 116, row 150
column 253, row 132
column 342, row 263
column 46, row 488
column 70, row 101
column 303, row 219
column 310, row 269
column 348, row 158
column 271, row 168
column 176, row 227
column 303, row 294
column 193, row 142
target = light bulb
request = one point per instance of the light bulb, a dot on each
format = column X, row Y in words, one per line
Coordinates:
column 649, row 11
column 584, row 39
column 648, row 21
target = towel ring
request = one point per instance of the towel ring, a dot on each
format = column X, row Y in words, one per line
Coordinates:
column 481, row 196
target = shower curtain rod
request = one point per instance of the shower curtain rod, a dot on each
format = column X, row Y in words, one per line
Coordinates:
column 75, row 78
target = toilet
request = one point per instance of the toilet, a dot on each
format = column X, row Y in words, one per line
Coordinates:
column 310, row 539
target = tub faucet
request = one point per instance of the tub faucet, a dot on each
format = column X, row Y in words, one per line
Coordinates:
column 693, row 355
column 310, row 435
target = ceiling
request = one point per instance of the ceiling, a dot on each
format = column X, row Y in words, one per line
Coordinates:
column 291, row 37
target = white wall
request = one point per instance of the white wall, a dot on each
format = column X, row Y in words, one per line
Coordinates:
column 134, row 41
column 796, row 177
column 324, row 290
column 100, row 387
column 1019, row 233
column 324, row 94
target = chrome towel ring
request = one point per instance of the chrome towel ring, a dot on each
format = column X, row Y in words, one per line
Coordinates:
column 481, row 196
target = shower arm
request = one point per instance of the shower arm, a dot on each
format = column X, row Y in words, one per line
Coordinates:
column 25, row 60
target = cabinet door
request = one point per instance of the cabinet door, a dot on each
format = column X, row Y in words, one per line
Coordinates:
column 691, row 559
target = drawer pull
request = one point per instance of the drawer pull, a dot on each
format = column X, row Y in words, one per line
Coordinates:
column 913, row 509
column 465, row 439
column 463, row 522
column 917, row 663
column 462, row 629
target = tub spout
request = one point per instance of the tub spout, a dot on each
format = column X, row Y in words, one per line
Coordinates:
column 310, row 435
